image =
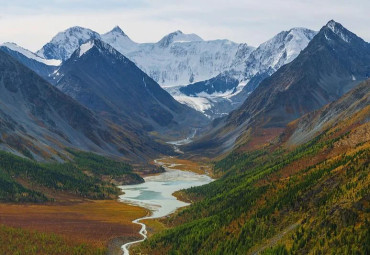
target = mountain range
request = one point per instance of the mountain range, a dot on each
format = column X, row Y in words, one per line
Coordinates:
column 180, row 59
column 334, row 62
column 177, row 59
column 320, row 72
column 228, row 90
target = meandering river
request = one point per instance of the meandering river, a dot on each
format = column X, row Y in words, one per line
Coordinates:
column 156, row 195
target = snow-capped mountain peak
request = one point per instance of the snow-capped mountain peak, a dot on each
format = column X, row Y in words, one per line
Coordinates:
column 31, row 55
column 278, row 51
column 119, row 40
column 178, row 36
column 115, row 34
column 177, row 59
column 117, row 30
column 65, row 43
column 295, row 41
column 220, row 94
column 339, row 30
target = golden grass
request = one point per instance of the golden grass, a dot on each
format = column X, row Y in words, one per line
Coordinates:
column 94, row 222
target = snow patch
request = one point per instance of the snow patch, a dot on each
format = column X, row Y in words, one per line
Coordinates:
column 198, row 103
column 336, row 28
column 31, row 55
column 86, row 47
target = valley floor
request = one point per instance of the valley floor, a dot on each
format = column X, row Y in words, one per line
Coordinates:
column 79, row 226
column 94, row 223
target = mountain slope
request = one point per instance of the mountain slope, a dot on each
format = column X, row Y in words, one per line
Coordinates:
column 311, row 198
column 41, row 66
column 327, row 68
column 106, row 82
column 356, row 104
column 39, row 121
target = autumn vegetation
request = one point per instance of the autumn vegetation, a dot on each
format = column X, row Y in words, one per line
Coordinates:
column 280, row 199
column 64, row 208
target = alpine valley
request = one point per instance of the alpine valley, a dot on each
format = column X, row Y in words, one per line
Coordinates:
column 186, row 145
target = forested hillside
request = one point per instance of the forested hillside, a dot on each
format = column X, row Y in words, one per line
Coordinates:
column 284, row 198
column 24, row 180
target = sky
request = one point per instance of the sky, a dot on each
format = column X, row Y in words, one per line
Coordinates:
column 32, row 23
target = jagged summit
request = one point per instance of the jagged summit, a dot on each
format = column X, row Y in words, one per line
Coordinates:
column 115, row 33
column 278, row 51
column 66, row 42
column 338, row 30
column 119, row 40
column 178, row 36
column 117, row 29
column 331, row 23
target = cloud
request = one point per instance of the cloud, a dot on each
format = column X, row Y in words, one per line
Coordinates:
column 33, row 23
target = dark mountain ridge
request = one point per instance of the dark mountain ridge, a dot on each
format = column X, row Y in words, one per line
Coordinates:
column 106, row 82
column 39, row 121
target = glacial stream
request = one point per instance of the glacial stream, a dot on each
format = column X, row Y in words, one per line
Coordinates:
column 156, row 195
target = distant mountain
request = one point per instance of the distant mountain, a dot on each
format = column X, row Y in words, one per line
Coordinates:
column 65, row 43
column 178, row 58
column 333, row 63
column 178, row 36
column 39, row 121
column 117, row 38
column 227, row 91
column 43, row 67
column 105, row 81
column 276, row 52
